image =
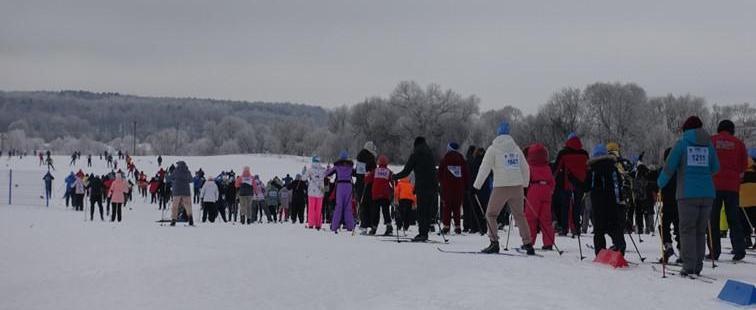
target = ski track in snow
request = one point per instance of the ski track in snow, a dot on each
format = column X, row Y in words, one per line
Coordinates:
column 52, row 259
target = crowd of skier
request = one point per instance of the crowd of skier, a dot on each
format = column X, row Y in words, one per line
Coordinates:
column 480, row 191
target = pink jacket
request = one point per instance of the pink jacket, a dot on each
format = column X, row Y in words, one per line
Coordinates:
column 117, row 191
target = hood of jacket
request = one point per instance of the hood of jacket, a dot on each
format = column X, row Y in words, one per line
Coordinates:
column 697, row 136
column 538, row 155
column 246, row 172
column 574, row 143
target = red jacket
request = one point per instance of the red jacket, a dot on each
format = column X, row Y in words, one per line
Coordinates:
column 733, row 161
column 541, row 180
column 572, row 163
column 453, row 174
column 380, row 180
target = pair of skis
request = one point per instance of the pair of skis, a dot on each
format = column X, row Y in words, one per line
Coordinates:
column 520, row 253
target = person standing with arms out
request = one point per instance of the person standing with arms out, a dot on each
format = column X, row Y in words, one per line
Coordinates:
column 315, row 176
column 571, row 167
column 423, row 163
column 733, row 163
column 180, row 179
column 538, row 204
column 366, row 163
column 511, row 174
column 693, row 161
column 342, row 214
column 453, row 173
column 117, row 194
column 96, row 192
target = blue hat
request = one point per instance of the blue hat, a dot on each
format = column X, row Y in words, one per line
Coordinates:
column 316, row 159
column 599, row 150
column 503, row 128
column 752, row 152
column 571, row 135
column 453, row 146
column 343, row 155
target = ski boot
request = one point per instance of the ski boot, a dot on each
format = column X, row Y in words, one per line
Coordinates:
column 420, row 238
column 528, row 249
column 389, row 230
column 669, row 251
column 458, row 231
column 173, row 222
column 372, row 231
column 445, row 230
column 191, row 221
column 492, row 248
column 547, row 247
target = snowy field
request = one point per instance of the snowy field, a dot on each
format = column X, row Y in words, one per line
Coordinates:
column 52, row 258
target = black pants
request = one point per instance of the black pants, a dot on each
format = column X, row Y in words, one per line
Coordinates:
column 273, row 212
column 233, row 209
column 221, row 208
column 163, row 202
column 91, row 211
column 79, row 202
column 297, row 211
column 366, row 202
column 209, row 211
column 572, row 205
column 427, row 206
column 668, row 219
column 734, row 215
column 116, row 213
column 196, row 195
column 607, row 217
column 406, row 215
column 380, row 206
column 153, row 198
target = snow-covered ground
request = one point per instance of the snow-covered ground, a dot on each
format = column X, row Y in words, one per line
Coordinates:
column 51, row 258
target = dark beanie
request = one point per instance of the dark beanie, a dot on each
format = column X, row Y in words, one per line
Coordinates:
column 419, row 140
column 692, row 122
column 726, row 125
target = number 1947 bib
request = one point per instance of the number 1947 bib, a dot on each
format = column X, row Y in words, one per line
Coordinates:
column 361, row 168
column 511, row 161
column 698, row 156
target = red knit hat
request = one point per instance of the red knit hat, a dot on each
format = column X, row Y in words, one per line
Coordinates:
column 692, row 122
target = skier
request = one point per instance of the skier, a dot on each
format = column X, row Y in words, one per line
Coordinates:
column 180, row 179
column 41, row 158
column 95, row 189
column 603, row 184
column 540, row 191
column 117, row 195
column 571, row 165
column 669, row 216
column 645, row 196
column 366, row 162
column 69, row 181
column 283, row 211
column 342, row 215
column 315, row 176
column 404, row 193
column 287, row 180
column 423, row 163
column 272, row 200
column 48, row 178
column 209, row 197
column 379, row 182
column 627, row 201
column 258, row 201
column 244, row 185
column 479, row 197
column 79, row 190
column 89, row 160
column 748, row 198
column 733, row 159
column 454, row 175
column 693, row 162
column 468, row 207
column 197, row 182
column 511, row 175
column 160, row 160
column 299, row 191
column 230, row 196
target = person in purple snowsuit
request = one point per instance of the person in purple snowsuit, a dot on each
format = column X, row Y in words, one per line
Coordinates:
column 343, row 168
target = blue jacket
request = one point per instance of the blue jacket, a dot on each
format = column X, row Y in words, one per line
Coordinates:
column 70, row 179
column 695, row 161
column 198, row 182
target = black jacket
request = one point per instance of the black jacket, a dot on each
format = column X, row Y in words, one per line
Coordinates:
column 423, row 163
column 298, row 191
column 368, row 159
column 95, row 188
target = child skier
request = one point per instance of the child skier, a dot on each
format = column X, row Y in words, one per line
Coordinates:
column 604, row 184
column 315, row 176
column 272, row 200
column 405, row 196
column 540, row 191
column 343, row 212
column 380, row 184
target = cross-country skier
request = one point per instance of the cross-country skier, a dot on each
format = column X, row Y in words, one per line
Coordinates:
column 315, row 176
column 538, row 204
column 748, row 198
column 404, row 194
column 571, row 166
column 48, row 178
column 379, row 182
column 117, row 194
column 604, row 185
column 209, row 196
column 511, row 175
column 342, row 215
column 365, row 162
column 298, row 189
column 96, row 192
column 180, row 180
column 423, row 163
column 453, row 174
column 244, row 185
column 693, row 161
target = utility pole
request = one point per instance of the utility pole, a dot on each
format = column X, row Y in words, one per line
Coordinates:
column 133, row 151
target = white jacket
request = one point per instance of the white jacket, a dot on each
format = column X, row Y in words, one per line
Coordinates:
column 209, row 192
column 315, row 176
column 507, row 162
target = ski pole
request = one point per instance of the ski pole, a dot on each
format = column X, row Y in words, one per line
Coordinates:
column 509, row 229
column 661, row 237
column 553, row 241
column 574, row 223
column 438, row 204
column 642, row 259
column 474, row 215
column 480, row 206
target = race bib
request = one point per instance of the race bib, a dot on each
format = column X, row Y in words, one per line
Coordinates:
column 511, row 161
column 361, row 168
column 456, row 171
column 698, row 156
column 382, row 173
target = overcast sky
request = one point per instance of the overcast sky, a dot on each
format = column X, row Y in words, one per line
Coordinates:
column 331, row 53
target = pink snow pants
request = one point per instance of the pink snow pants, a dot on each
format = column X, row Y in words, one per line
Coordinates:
column 314, row 212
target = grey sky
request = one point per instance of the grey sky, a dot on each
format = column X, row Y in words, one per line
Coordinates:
column 339, row 52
